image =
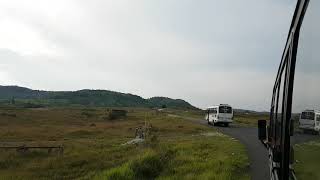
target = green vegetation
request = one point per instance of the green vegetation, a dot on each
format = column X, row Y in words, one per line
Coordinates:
column 27, row 98
column 187, row 113
column 307, row 160
column 196, row 158
column 250, row 119
column 94, row 146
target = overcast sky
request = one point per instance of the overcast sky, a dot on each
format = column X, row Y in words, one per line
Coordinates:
column 307, row 78
column 203, row 51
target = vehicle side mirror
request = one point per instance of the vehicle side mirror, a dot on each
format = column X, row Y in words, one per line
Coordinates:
column 262, row 130
column 291, row 127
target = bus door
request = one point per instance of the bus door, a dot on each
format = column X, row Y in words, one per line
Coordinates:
column 317, row 122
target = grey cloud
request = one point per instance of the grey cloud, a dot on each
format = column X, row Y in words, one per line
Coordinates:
column 307, row 77
column 206, row 52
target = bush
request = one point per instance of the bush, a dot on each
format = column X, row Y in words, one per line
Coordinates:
column 87, row 114
column 152, row 140
column 148, row 166
column 117, row 114
column 123, row 172
column 8, row 114
column 32, row 105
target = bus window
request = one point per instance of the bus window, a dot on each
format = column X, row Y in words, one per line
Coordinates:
column 225, row 109
column 307, row 115
column 213, row 111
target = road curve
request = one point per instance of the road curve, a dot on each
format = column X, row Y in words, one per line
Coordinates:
column 257, row 153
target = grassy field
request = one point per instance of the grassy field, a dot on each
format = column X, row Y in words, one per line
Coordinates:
column 307, row 160
column 93, row 146
column 196, row 114
column 250, row 119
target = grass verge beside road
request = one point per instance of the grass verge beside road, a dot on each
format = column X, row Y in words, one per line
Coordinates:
column 307, row 157
column 196, row 157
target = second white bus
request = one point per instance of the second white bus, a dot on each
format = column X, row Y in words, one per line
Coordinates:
column 310, row 120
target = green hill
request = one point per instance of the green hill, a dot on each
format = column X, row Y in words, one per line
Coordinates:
column 164, row 101
column 99, row 98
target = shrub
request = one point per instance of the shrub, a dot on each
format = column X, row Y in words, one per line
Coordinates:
column 8, row 114
column 116, row 114
column 152, row 140
column 32, row 105
column 120, row 173
column 148, row 166
column 87, row 114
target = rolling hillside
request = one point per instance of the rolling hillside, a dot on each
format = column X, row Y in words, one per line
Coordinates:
column 20, row 95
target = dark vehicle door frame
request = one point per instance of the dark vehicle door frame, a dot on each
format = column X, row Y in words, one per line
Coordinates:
column 280, row 127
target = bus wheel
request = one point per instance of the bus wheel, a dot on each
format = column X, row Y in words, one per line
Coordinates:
column 226, row 124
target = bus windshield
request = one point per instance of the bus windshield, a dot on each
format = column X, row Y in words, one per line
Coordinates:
column 225, row 109
column 307, row 115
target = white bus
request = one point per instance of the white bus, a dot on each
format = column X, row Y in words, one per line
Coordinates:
column 310, row 120
column 219, row 114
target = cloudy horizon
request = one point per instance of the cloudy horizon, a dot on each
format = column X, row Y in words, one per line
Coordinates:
column 205, row 52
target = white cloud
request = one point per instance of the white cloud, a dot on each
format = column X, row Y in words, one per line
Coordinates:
column 21, row 38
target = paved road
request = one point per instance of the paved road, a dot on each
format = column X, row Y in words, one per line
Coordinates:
column 258, row 155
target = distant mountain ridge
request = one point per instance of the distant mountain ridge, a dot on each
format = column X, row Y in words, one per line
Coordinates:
column 86, row 97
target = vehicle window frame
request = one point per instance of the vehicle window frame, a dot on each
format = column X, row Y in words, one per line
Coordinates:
column 281, row 152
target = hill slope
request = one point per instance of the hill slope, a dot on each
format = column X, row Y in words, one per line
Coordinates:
column 86, row 98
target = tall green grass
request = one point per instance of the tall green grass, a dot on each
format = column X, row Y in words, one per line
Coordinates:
column 307, row 157
column 146, row 166
column 190, row 157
